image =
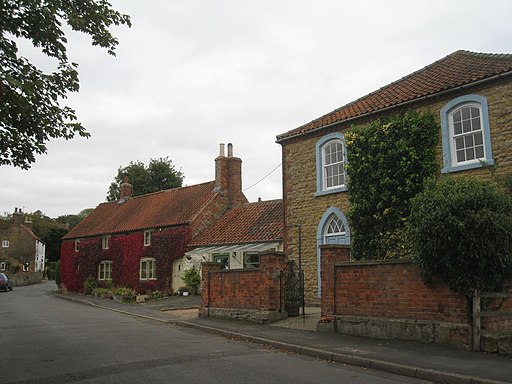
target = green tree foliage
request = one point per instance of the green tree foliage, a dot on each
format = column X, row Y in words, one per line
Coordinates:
column 70, row 221
column 388, row 162
column 31, row 112
column 461, row 231
column 192, row 278
column 159, row 175
column 51, row 231
column 58, row 277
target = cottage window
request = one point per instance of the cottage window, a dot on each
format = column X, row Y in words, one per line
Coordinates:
column 466, row 135
column 2, row 266
column 77, row 245
column 105, row 270
column 5, row 243
column 251, row 260
column 147, row 238
column 331, row 158
column 105, row 242
column 148, row 269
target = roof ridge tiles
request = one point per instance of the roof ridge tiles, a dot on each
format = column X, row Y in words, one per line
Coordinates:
column 173, row 189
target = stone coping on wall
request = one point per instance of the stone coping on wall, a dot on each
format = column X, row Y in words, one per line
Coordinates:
column 363, row 263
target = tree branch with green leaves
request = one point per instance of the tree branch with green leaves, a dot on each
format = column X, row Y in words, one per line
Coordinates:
column 31, row 112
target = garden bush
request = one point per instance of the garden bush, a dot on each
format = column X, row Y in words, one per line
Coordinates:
column 192, row 278
column 461, row 232
column 89, row 285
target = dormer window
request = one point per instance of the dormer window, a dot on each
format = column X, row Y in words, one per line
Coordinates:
column 147, row 238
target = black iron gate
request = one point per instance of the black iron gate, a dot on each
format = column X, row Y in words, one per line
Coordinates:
column 291, row 290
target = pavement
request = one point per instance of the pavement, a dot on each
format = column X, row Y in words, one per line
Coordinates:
column 298, row 335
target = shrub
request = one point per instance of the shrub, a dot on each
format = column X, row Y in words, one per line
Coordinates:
column 126, row 294
column 101, row 292
column 388, row 162
column 89, row 285
column 58, row 278
column 461, row 232
column 192, row 278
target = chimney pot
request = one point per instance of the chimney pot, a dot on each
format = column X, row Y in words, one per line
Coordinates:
column 221, row 149
column 230, row 150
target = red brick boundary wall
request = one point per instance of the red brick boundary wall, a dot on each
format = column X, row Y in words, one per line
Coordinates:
column 245, row 294
column 388, row 299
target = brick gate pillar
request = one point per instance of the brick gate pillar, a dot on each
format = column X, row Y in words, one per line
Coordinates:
column 206, row 289
column 271, row 264
column 330, row 255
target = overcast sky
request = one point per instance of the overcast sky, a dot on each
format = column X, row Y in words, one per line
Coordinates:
column 191, row 74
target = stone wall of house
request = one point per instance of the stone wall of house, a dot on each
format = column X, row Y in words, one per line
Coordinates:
column 299, row 171
column 22, row 248
column 388, row 299
column 252, row 294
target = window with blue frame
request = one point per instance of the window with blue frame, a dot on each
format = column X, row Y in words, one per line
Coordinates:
column 466, row 134
column 331, row 158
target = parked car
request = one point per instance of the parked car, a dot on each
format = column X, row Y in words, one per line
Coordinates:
column 5, row 282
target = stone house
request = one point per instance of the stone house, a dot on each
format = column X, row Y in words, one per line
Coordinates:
column 238, row 237
column 135, row 240
column 471, row 95
column 21, row 250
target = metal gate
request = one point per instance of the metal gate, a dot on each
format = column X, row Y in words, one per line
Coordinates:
column 291, row 290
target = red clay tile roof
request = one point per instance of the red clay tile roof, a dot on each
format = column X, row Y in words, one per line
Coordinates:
column 457, row 69
column 261, row 221
column 160, row 209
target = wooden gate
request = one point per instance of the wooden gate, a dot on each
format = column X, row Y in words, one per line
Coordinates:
column 479, row 313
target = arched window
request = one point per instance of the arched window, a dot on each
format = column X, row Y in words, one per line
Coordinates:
column 331, row 157
column 466, row 134
column 334, row 231
column 333, row 228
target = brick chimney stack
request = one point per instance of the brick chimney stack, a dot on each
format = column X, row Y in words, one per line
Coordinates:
column 18, row 218
column 126, row 189
column 228, row 176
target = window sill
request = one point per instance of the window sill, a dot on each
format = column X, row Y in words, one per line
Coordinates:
column 331, row 191
column 467, row 166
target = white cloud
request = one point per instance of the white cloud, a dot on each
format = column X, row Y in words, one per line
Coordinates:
column 191, row 74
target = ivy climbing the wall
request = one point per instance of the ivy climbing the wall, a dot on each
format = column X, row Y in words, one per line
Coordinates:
column 388, row 162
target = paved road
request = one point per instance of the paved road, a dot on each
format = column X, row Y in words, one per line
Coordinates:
column 44, row 339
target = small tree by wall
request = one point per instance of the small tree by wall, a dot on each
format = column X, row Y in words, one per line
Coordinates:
column 192, row 278
column 461, row 231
